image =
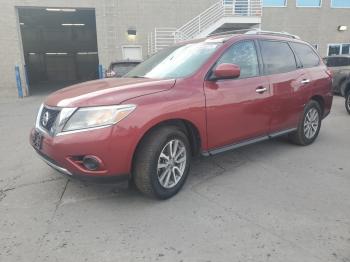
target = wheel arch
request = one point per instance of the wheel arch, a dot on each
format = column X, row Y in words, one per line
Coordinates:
column 346, row 87
column 320, row 100
column 191, row 130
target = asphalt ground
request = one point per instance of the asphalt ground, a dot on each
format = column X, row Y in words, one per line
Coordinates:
column 271, row 201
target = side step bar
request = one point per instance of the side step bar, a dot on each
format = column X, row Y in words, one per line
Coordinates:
column 246, row 142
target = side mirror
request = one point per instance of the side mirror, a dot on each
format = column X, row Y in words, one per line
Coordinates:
column 226, row 71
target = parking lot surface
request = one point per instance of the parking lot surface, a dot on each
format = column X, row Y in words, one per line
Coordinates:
column 271, row 201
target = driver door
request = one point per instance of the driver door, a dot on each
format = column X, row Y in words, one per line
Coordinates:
column 238, row 109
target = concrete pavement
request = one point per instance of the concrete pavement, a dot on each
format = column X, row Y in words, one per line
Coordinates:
column 271, row 201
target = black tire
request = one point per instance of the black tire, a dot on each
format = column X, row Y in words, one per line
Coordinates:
column 145, row 172
column 347, row 101
column 298, row 137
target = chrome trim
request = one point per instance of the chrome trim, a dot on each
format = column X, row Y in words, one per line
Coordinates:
column 56, row 167
column 61, row 119
column 37, row 121
column 261, row 90
column 62, row 133
column 305, row 81
column 64, row 115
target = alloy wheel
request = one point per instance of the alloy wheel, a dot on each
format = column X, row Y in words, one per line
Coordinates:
column 171, row 163
column 347, row 102
column 311, row 123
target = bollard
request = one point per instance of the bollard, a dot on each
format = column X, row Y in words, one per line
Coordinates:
column 100, row 72
column 19, row 82
column 27, row 80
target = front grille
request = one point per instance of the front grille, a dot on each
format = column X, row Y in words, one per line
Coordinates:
column 47, row 118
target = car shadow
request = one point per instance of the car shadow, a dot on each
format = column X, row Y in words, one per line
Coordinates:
column 203, row 170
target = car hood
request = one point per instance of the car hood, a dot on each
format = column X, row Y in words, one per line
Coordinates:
column 109, row 91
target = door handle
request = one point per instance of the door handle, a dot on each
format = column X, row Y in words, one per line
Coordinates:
column 261, row 90
column 305, row 81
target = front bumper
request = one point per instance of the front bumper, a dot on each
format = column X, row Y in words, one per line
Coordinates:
column 53, row 164
column 108, row 144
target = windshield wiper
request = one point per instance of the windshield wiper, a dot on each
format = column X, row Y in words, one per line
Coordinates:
column 138, row 77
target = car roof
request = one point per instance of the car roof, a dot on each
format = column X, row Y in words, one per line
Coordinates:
column 225, row 36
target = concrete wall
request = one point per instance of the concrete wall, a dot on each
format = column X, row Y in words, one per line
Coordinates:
column 315, row 25
column 113, row 18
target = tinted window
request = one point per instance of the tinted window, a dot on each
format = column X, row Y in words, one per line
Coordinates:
column 306, row 55
column 338, row 61
column 334, row 49
column 244, row 55
column 345, row 49
column 330, row 61
column 278, row 57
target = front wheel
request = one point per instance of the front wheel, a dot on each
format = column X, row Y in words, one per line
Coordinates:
column 347, row 101
column 309, row 125
column 162, row 162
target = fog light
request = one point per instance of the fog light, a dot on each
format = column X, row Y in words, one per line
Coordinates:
column 91, row 163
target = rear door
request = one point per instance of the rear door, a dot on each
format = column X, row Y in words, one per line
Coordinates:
column 286, row 79
column 319, row 80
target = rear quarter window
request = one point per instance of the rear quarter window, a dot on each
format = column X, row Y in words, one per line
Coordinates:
column 277, row 57
column 306, row 54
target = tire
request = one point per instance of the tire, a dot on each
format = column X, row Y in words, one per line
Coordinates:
column 347, row 101
column 153, row 174
column 307, row 131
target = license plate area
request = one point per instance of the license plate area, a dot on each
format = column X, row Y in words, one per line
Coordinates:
column 37, row 139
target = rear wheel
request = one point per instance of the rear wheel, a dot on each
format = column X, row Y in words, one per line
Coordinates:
column 162, row 162
column 347, row 101
column 309, row 126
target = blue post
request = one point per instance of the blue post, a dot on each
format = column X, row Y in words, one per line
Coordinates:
column 19, row 82
column 27, row 79
column 100, row 72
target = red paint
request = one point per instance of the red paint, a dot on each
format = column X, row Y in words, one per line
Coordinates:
column 227, row 71
column 223, row 111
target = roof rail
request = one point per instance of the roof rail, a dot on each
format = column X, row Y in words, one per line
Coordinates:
column 255, row 31
column 263, row 32
column 231, row 32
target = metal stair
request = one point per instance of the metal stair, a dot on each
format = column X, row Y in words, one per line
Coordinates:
column 221, row 16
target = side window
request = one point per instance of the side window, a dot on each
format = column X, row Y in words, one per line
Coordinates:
column 244, row 55
column 307, row 56
column 277, row 57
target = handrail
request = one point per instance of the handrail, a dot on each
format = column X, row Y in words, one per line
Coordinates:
column 203, row 21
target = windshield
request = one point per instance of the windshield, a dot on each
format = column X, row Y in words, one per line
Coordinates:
column 176, row 61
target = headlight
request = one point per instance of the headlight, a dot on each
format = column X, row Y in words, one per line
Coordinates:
column 90, row 117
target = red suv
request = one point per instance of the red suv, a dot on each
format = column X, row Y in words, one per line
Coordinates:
column 199, row 97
